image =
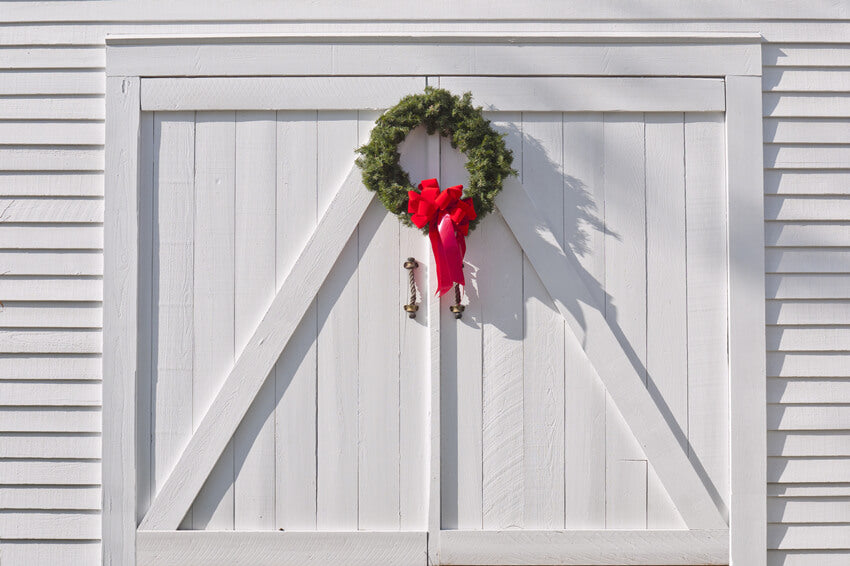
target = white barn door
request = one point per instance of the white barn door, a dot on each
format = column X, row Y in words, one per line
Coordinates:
column 286, row 410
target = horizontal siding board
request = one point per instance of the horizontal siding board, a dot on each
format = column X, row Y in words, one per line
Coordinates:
column 806, row 182
column 805, row 130
column 806, row 79
column 46, row 446
column 799, row 156
column 64, row 341
column 40, row 262
column 808, row 390
column 812, row 55
column 64, row 552
column 64, row 57
column 808, row 536
column 50, row 472
column 55, row 289
column 787, row 510
column 808, row 417
column 49, row 525
column 15, row 419
column 796, row 260
column 36, row 314
column 50, row 393
column 808, row 490
column 808, row 338
column 808, row 105
column 28, row 158
column 815, row 443
column 808, row 312
column 802, row 234
column 808, row 470
column 52, row 210
column 52, row 82
column 52, row 108
column 798, row 364
column 821, row 286
column 59, row 183
column 806, row 557
column 51, row 237
column 793, row 208
column 42, row 367
column 43, row 132
column 86, row 497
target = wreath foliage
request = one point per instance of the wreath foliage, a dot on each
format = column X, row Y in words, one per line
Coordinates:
column 453, row 117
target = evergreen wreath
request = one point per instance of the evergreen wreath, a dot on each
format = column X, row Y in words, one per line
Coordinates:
column 488, row 160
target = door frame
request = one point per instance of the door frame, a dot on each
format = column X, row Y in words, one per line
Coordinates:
column 142, row 69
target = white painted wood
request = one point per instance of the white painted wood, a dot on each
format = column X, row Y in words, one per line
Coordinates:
column 35, row 367
column 254, row 272
column 797, row 208
column 51, row 289
column 276, row 548
column 805, row 130
column 72, row 133
column 796, row 79
column 585, row 405
column 807, row 365
column 807, row 338
column 50, row 393
column 804, row 55
column 83, row 498
column 707, row 294
column 585, row 547
column 52, row 82
column 807, row 234
column 59, row 183
column 50, row 472
column 807, row 536
column 46, row 525
column 50, row 419
column 271, row 93
column 807, row 470
column 68, row 552
column 45, row 314
column 46, row 210
column 52, row 108
column 295, row 377
column 430, row 55
column 53, row 236
column 806, row 417
column 378, row 424
column 625, row 308
column 802, row 557
column 60, row 445
column 36, row 263
column 173, row 292
column 610, row 362
column 460, row 450
column 337, row 342
column 591, row 94
column 666, row 289
column 822, row 286
column 814, row 443
column 36, row 158
column 75, row 341
column 806, row 157
column 259, row 355
column 541, row 169
column 120, row 319
column 818, row 182
column 807, row 105
column 213, row 347
column 808, row 390
column 501, row 294
column 35, row 57
column 806, row 312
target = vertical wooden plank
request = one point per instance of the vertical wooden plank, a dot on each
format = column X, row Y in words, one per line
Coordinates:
column 420, row 157
column 543, row 332
column 295, row 379
column 378, row 357
column 213, row 299
column 585, row 396
column 625, row 282
column 460, row 364
column 338, row 343
column 746, row 319
column 666, row 291
column 502, row 385
column 121, row 233
column 173, row 291
column 144, row 378
column 254, row 288
column 708, row 379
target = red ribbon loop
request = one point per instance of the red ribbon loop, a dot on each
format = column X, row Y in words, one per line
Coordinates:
column 447, row 217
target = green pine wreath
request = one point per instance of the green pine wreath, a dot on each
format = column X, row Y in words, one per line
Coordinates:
column 488, row 160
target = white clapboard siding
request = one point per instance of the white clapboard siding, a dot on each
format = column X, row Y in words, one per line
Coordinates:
column 798, row 208
column 832, row 364
column 51, row 236
column 68, row 133
column 56, row 183
column 52, row 108
column 808, row 390
column 24, row 497
column 76, row 552
column 799, row 156
column 806, row 130
column 43, row 366
column 37, row 262
column 50, row 419
column 48, row 158
column 806, row 182
column 807, row 470
column 30, row 210
column 50, row 472
column 809, row 443
column 807, row 234
column 52, row 82
column 52, row 289
column 796, row 79
column 807, row 105
column 55, row 445
column 64, row 57
column 53, row 393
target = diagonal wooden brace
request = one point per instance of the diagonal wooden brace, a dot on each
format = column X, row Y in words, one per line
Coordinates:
column 259, row 356
column 559, row 273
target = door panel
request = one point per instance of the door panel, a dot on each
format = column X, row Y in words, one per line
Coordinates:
column 340, row 428
column 640, row 200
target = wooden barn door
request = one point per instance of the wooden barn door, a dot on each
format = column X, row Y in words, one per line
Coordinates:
column 578, row 413
column 584, row 415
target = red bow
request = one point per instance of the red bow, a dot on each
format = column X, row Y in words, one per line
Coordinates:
column 447, row 217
